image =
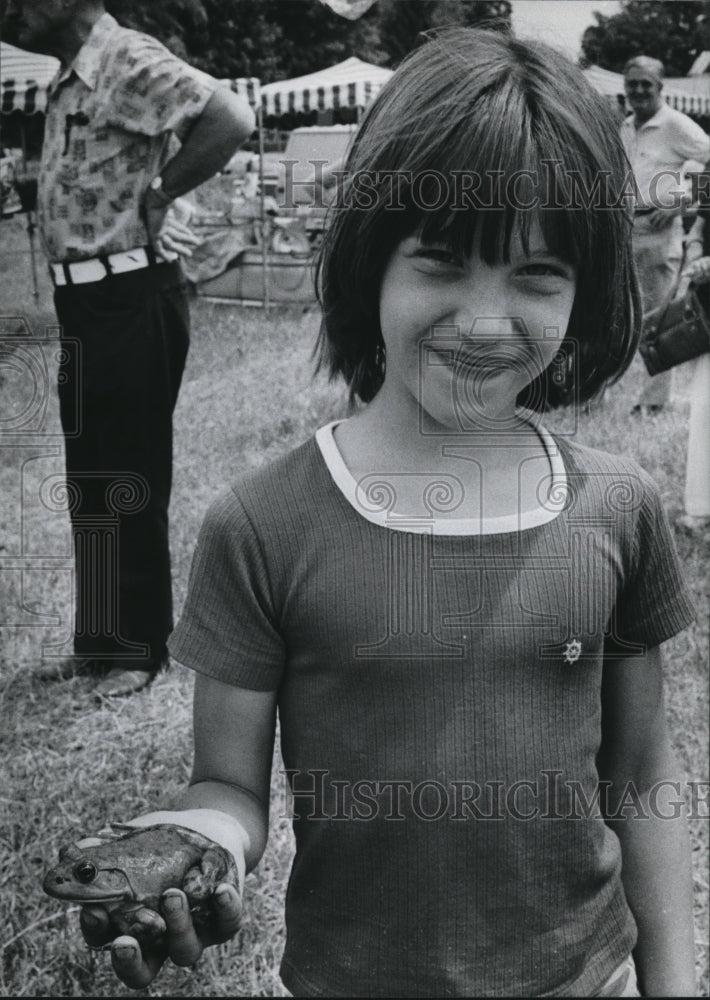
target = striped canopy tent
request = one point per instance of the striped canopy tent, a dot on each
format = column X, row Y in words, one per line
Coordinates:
column 248, row 87
column 349, row 84
column 24, row 78
column 689, row 94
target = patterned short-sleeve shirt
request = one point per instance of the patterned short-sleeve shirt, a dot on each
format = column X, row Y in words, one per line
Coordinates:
column 110, row 118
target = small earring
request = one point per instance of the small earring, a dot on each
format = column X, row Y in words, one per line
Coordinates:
column 559, row 368
column 563, row 369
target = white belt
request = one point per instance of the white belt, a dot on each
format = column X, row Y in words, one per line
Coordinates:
column 80, row 272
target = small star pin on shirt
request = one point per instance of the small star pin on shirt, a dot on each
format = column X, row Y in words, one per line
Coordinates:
column 573, row 651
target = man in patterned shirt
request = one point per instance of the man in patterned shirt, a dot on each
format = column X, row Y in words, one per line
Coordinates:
column 108, row 177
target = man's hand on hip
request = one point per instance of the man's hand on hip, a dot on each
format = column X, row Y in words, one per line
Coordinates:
column 167, row 225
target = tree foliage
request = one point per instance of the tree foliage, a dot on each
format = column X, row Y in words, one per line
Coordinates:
column 674, row 31
column 179, row 24
column 279, row 39
column 400, row 21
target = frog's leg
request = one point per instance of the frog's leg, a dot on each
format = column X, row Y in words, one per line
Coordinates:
column 202, row 880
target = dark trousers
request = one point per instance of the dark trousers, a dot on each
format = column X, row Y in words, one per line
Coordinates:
column 126, row 341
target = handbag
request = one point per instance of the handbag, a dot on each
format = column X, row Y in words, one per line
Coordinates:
column 676, row 331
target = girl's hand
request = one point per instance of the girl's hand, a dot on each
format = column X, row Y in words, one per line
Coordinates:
column 698, row 271
column 181, row 942
column 171, row 931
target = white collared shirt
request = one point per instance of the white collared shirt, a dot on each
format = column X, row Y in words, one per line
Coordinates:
column 665, row 143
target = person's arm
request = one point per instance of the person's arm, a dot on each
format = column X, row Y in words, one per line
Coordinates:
column 698, row 271
column 691, row 145
column 225, row 124
column 227, row 800
column 656, row 865
column 661, row 218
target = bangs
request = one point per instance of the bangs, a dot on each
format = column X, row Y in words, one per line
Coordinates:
column 457, row 169
column 499, row 228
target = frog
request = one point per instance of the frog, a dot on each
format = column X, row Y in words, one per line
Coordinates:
column 128, row 872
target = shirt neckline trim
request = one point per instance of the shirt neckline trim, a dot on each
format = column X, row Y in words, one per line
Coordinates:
column 365, row 501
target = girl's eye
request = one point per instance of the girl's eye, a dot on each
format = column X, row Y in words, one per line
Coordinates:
column 544, row 269
column 438, row 255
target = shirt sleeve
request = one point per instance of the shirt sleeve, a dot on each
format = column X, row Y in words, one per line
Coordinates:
column 655, row 603
column 152, row 91
column 228, row 625
column 693, row 143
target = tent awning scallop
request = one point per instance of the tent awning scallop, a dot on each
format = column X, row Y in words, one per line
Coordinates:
column 349, row 84
column 25, row 77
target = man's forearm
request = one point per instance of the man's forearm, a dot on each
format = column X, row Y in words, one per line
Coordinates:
column 658, row 884
column 225, row 124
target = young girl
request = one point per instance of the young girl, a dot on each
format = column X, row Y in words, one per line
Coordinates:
column 456, row 613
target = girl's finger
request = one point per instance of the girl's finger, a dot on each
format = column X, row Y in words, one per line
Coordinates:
column 131, row 966
column 228, row 911
column 184, row 946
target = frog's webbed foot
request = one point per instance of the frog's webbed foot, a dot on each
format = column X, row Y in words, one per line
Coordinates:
column 201, row 881
column 140, row 922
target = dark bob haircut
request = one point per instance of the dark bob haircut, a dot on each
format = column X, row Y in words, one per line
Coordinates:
column 511, row 133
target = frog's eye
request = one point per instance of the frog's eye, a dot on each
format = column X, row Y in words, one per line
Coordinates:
column 85, row 872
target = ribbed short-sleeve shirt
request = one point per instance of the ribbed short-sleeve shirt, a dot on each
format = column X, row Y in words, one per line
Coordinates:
column 440, row 713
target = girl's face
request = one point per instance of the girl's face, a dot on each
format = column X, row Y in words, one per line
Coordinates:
column 462, row 337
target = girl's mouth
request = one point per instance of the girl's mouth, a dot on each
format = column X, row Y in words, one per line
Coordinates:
column 492, row 358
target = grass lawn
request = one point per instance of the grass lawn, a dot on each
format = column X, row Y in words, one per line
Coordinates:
column 68, row 766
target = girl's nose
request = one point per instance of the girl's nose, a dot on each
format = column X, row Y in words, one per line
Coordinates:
column 485, row 322
column 479, row 302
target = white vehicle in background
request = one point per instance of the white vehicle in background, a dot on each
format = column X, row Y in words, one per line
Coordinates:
column 300, row 179
column 10, row 160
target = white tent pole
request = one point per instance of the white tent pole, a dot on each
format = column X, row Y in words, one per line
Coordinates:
column 31, row 225
column 262, row 199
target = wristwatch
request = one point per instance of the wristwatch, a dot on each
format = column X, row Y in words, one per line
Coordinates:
column 156, row 186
